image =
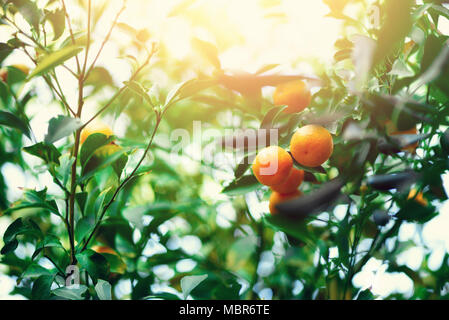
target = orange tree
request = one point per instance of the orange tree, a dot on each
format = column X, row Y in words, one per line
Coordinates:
column 119, row 210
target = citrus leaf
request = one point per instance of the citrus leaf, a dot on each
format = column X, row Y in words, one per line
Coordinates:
column 241, row 186
column 54, row 59
column 10, row 120
column 71, row 293
column 104, row 290
column 61, row 127
column 46, row 152
column 188, row 283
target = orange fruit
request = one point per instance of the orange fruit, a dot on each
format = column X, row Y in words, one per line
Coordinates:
column 272, row 166
column 418, row 197
column 295, row 95
column 294, row 180
column 311, row 145
column 97, row 127
column 277, row 198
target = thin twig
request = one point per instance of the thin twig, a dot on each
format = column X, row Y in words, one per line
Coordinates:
column 118, row 93
column 50, row 84
column 89, row 23
column 72, row 36
column 106, row 39
column 124, row 182
column 60, row 271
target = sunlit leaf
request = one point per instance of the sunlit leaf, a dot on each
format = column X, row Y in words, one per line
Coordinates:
column 54, row 59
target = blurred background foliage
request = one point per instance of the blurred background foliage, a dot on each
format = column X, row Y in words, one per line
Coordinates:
column 196, row 225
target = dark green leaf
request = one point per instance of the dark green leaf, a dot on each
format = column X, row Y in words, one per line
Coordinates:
column 242, row 186
column 46, row 152
column 96, row 265
column 10, row 120
column 41, row 287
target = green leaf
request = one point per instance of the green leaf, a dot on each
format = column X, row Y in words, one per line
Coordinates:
column 61, row 127
column 188, row 283
column 10, row 120
column 18, row 227
column 70, row 293
column 5, row 51
column 84, row 227
column 92, row 144
column 365, row 295
column 99, row 76
column 186, row 89
column 46, row 152
column 13, row 230
column 57, row 20
column 117, row 160
column 96, row 265
column 104, row 290
column 29, row 10
column 54, row 59
column 35, row 199
column 9, row 247
column 117, row 264
column 48, row 242
column 297, row 229
column 41, row 287
column 267, row 122
column 244, row 165
column 242, row 186
column 308, row 169
column 140, row 90
column 35, row 270
column 397, row 25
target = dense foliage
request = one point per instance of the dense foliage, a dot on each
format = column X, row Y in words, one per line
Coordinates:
column 147, row 209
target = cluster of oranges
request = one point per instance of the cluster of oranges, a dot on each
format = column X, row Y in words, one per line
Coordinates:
column 310, row 146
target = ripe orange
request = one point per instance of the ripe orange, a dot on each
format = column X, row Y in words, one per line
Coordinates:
column 97, row 127
column 272, row 166
column 277, row 198
column 419, row 198
column 295, row 95
column 311, row 145
column 294, row 180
